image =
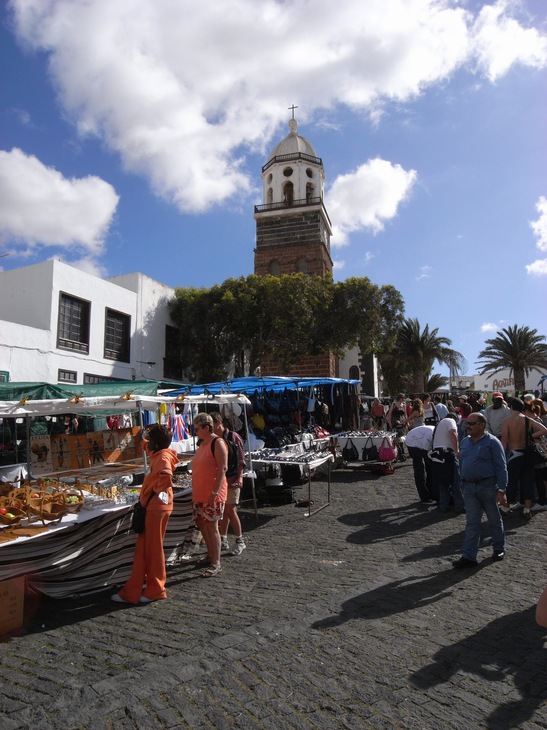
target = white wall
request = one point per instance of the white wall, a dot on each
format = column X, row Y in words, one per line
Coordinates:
column 29, row 304
column 504, row 382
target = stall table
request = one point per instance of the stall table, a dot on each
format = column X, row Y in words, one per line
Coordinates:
column 88, row 551
column 290, row 456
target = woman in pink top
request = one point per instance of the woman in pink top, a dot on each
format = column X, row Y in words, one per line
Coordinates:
column 209, row 489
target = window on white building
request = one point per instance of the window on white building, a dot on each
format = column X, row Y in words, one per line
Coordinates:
column 117, row 336
column 73, row 324
column 67, row 376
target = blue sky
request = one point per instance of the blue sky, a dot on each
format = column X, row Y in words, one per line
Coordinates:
column 133, row 135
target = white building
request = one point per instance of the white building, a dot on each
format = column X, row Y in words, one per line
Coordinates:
column 61, row 325
column 504, row 382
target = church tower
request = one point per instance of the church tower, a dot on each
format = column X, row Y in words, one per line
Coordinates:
column 293, row 229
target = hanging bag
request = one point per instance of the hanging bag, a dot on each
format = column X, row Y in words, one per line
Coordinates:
column 387, row 451
column 370, row 450
column 535, row 452
column 138, row 516
column 349, row 452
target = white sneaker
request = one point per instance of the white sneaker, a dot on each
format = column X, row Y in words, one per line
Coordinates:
column 239, row 547
column 224, row 544
column 538, row 508
column 517, row 505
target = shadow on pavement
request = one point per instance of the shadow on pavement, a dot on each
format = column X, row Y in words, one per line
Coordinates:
column 508, row 645
column 398, row 596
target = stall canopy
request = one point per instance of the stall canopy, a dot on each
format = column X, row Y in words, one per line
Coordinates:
column 46, row 391
column 250, row 384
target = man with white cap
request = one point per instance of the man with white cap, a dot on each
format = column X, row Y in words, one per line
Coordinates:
column 496, row 414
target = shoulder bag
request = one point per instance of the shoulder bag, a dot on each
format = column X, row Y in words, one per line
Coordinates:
column 370, row 450
column 387, row 452
column 535, row 452
column 138, row 515
column 349, row 452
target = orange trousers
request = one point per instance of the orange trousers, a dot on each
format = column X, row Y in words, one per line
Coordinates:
column 148, row 561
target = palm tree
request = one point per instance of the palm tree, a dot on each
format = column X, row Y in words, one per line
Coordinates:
column 518, row 349
column 417, row 350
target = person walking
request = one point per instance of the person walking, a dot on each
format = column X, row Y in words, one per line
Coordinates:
column 157, row 496
column 483, row 472
column 496, row 414
column 444, row 455
column 235, row 482
column 209, row 490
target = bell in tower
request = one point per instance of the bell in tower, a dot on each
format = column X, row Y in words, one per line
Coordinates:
column 293, row 228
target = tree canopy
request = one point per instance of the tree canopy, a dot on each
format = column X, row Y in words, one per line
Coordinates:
column 408, row 364
column 518, row 349
column 230, row 328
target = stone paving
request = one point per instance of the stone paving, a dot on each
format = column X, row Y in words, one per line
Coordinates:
column 350, row 618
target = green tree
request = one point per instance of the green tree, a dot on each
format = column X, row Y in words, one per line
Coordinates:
column 519, row 349
column 230, row 328
column 408, row 365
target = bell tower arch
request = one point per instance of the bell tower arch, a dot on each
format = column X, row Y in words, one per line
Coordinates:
column 293, row 229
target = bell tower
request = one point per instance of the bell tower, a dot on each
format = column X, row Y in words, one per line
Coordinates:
column 293, row 229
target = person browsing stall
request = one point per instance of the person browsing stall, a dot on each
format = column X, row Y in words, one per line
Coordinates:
column 157, row 496
column 209, row 490
column 235, row 482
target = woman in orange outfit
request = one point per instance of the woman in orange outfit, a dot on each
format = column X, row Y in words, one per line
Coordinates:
column 149, row 559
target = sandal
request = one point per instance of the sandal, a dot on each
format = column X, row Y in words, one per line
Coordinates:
column 204, row 560
column 211, row 571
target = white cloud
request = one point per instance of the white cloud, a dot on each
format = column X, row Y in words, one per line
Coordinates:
column 368, row 257
column 338, row 265
column 39, row 207
column 537, row 267
column 499, row 41
column 182, row 91
column 367, row 197
column 425, row 273
column 539, row 227
column 489, row 327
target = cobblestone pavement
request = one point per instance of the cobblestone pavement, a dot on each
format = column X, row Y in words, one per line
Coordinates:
column 350, row 618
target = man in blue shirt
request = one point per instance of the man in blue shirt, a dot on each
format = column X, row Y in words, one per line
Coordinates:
column 483, row 471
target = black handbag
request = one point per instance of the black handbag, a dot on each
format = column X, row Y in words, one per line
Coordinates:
column 350, row 452
column 535, row 452
column 138, row 516
column 370, row 451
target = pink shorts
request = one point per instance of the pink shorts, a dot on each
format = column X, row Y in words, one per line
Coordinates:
column 209, row 512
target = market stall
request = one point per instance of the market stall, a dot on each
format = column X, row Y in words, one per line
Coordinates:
column 363, row 448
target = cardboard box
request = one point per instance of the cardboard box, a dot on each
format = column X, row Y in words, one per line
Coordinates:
column 12, row 601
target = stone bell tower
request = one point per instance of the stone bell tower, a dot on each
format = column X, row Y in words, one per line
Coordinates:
column 293, row 229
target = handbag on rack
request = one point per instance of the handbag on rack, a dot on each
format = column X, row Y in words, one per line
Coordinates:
column 349, row 452
column 535, row 452
column 370, row 450
column 138, row 516
column 387, row 452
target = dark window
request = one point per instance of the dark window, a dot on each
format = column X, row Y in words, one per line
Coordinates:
column 73, row 327
column 94, row 379
column 116, row 336
column 274, row 268
column 67, row 376
column 172, row 366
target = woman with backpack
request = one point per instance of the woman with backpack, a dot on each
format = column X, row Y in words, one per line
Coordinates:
column 234, row 478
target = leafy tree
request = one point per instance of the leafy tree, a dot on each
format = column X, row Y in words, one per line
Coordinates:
column 519, row 349
column 230, row 328
column 408, row 365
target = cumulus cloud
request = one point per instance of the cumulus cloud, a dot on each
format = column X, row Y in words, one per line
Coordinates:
column 499, row 41
column 489, row 327
column 539, row 227
column 41, row 208
column 367, row 197
column 425, row 273
column 184, row 91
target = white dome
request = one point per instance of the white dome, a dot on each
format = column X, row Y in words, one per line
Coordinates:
column 293, row 144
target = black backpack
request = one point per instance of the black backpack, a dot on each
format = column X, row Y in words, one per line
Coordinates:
column 233, row 454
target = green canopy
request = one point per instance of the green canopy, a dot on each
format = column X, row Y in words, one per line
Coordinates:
column 46, row 391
